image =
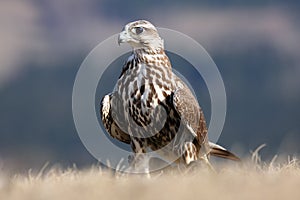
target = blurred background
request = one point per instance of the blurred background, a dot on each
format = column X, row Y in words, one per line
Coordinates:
column 255, row 45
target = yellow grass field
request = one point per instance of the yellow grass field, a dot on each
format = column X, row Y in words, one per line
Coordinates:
column 252, row 180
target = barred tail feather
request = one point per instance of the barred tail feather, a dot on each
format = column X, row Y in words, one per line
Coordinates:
column 219, row 151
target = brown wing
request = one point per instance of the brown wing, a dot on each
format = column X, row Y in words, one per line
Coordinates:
column 110, row 125
column 190, row 112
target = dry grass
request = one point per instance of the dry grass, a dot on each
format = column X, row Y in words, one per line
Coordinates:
column 252, row 180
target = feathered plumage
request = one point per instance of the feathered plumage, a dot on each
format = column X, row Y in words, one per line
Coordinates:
column 151, row 108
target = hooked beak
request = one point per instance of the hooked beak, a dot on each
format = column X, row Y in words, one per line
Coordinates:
column 122, row 37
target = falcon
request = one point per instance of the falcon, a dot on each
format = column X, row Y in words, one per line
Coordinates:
column 152, row 109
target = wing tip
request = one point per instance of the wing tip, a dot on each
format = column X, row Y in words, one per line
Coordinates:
column 219, row 151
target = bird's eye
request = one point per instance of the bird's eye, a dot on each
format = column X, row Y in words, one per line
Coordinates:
column 139, row 30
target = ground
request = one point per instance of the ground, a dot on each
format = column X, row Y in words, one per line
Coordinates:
column 250, row 180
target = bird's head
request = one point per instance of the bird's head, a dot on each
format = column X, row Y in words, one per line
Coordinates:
column 141, row 34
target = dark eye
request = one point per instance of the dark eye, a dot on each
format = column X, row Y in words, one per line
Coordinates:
column 139, row 30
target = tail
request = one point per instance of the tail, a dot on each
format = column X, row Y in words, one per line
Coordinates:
column 219, row 151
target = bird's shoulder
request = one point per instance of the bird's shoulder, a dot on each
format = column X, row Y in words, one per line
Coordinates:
column 108, row 119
